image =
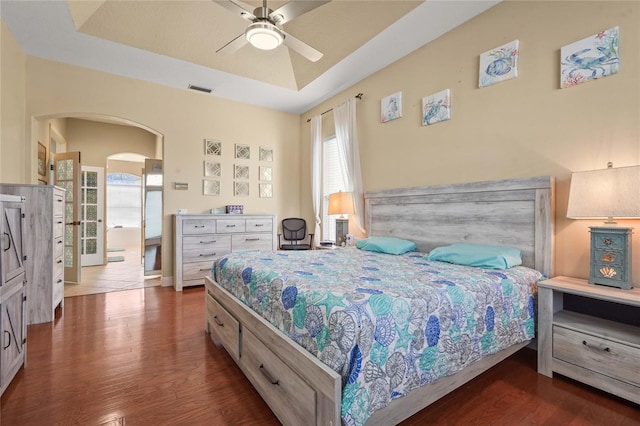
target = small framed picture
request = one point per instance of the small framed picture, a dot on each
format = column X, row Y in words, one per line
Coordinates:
column 42, row 162
column 391, row 107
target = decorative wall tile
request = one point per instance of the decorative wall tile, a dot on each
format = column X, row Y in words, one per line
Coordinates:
column 240, row 171
column 266, row 190
column 212, row 169
column 212, row 147
column 210, row 187
column 243, row 152
column 266, row 173
column 241, row 189
column 266, row 154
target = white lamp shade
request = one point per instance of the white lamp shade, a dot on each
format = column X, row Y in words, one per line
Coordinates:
column 340, row 203
column 606, row 193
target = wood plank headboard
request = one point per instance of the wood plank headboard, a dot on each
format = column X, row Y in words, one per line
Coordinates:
column 515, row 212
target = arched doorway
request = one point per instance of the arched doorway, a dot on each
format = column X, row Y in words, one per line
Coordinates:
column 99, row 140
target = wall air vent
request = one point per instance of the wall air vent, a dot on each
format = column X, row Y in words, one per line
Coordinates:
column 200, row 89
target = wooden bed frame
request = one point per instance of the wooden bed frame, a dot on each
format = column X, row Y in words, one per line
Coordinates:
column 516, row 212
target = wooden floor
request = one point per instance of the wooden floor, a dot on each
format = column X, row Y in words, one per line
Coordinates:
column 141, row 357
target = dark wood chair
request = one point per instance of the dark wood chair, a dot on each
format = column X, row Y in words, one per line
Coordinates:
column 294, row 235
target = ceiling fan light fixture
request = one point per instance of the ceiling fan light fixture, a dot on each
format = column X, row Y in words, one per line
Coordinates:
column 264, row 35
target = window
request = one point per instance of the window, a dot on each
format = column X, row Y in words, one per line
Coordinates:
column 334, row 179
column 124, row 195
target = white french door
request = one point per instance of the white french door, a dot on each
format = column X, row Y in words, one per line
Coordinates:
column 91, row 216
column 66, row 167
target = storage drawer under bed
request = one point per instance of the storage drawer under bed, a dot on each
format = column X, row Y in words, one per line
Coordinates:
column 224, row 326
column 292, row 400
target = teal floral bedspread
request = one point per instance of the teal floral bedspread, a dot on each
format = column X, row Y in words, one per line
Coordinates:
column 386, row 323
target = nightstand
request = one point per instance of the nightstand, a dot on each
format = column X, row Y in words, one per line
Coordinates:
column 592, row 350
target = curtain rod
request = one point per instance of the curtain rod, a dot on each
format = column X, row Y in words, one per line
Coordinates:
column 358, row 96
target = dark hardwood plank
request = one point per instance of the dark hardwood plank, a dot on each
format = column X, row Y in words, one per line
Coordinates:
column 141, row 357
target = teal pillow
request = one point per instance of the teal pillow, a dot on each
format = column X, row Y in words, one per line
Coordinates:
column 480, row 255
column 387, row 245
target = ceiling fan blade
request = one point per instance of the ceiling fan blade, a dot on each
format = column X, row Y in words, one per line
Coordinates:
column 295, row 8
column 233, row 45
column 302, row 48
column 237, row 8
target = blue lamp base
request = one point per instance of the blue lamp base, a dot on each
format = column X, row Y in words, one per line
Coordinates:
column 611, row 256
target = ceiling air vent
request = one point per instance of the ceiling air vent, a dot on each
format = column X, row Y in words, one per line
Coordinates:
column 200, row 89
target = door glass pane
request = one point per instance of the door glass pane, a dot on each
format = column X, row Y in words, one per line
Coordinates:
column 68, row 235
column 92, row 229
column 91, row 246
column 92, row 179
column 92, row 213
column 92, row 196
column 69, row 194
column 68, row 257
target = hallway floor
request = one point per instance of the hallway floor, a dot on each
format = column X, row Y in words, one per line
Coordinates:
column 114, row 276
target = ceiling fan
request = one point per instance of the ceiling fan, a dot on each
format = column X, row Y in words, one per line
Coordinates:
column 265, row 31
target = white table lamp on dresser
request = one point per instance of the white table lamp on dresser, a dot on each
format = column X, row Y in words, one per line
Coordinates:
column 608, row 193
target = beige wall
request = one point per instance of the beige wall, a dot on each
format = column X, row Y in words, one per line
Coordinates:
column 517, row 128
column 12, row 118
column 96, row 141
column 184, row 119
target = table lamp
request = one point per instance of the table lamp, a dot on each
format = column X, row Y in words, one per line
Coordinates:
column 608, row 193
column 342, row 204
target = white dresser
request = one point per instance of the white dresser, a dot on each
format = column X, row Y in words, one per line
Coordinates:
column 44, row 247
column 13, row 324
column 200, row 239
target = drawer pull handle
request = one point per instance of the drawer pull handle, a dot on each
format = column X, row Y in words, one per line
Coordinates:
column 231, row 226
column 60, row 242
column 204, row 269
column 606, row 349
column 268, row 376
column 208, row 242
column 259, row 224
column 207, row 255
column 59, row 281
column 59, row 261
column 9, row 240
column 199, row 226
column 59, row 222
column 8, row 344
column 217, row 321
column 252, row 239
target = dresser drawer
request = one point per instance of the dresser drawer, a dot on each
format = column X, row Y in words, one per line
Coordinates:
column 197, row 270
column 58, row 227
column 58, row 266
column 58, row 289
column 603, row 356
column 252, row 242
column 58, row 247
column 224, row 326
column 225, row 226
column 58, row 204
column 292, row 400
column 209, row 245
column 198, row 226
column 259, row 225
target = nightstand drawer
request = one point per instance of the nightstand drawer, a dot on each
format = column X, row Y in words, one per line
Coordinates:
column 597, row 354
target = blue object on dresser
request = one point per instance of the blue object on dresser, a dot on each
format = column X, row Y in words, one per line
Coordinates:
column 611, row 256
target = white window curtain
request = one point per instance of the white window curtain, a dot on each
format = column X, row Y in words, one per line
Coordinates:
column 316, row 172
column 347, row 137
